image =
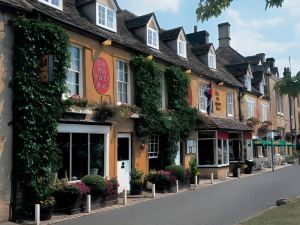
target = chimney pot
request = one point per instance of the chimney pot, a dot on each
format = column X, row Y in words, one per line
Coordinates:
column 195, row 29
column 224, row 34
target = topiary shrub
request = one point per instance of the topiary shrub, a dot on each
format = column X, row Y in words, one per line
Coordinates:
column 178, row 172
column 96, row 184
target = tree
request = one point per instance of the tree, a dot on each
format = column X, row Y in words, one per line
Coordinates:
column 289, row 85
column 210, row 8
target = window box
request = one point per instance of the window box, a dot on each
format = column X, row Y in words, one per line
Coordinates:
column 79, row 110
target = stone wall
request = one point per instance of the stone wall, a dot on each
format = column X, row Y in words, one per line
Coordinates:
column 6, row 70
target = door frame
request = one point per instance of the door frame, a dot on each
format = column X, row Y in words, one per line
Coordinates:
column 125, row 135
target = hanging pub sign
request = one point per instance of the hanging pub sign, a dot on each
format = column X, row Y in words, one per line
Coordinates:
column 46, row 70
column 101, row 75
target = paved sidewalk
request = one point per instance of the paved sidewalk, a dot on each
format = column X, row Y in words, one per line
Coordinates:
column 147, row 196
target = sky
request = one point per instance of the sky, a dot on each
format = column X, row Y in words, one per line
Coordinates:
column 275, row 31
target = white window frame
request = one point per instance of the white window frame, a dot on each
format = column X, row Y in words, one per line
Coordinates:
column 80, row 72
column 264, row 112
column 181, row 45
column 88, row 129
column 153, row 33
column 202, row 97
column 251, row 109
column 212, row 61
column 279, row 104
column 49, row 3
column 114, row 28
column 230, row 104
column 247, row 79
column 119, row 102
column 224, row 143
column 153, row 147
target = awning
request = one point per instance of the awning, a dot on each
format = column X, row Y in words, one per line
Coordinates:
column 259, row 142
column 282, row 143
column 206, row 122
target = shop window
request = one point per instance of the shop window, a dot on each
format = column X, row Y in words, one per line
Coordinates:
column 106, row 17
column 223, row 152
column 53, row 3
column 82, row 154
column 153, row 146
column 248, row 149
column 123, row 82
column 74, row 74
column 235, row 147
column 206, row 148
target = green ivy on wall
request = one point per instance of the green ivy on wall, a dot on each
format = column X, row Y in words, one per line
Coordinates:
column 37, row 106
column 172, row 124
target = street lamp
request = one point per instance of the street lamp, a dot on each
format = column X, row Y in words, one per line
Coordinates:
column 271, row 134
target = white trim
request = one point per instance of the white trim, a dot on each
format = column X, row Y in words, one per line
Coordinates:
column 184, row 48
column 106, row 155
column 59, row 7
column 126, row 135
column 232, row 102
column 114, row 28
column 128, row 82
column 154, row 32
column 79, row 128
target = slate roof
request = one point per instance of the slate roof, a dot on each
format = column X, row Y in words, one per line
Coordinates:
column 139, row 21
column 80, row 3
column 16, row 4
column 230, row 55
column 238, row 69
column 167, row 35
column 198, row 38
column 206, row 122
column 255, row 59
column 202, row 49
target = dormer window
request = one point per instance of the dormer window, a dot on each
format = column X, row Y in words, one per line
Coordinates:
column 181, row 48
column 212, row 58
column 106, row 17
column 53, row 3
column 262, row 86
column 152, row 37
column 248, row 82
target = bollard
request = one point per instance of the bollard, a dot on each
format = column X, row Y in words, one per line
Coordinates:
column 226, row 175
column 37, row 214
column 239, row 172
column 177, row 187
column 153, row 191
column 211, row 178
column 88, row 203
column 196, row 182
column 124, row 197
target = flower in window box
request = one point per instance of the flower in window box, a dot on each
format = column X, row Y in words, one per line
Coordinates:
column 105, row 111
column 76, row 104
column 129, row 111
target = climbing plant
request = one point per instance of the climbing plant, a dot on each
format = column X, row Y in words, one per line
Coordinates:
column 171, row 124
column 37, row 106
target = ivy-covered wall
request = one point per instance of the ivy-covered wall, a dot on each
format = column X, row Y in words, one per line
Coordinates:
column 37, row 106
column 172, row 124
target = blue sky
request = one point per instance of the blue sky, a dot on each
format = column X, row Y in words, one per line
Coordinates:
column 275, row 32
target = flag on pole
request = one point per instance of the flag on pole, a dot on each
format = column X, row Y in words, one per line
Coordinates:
column 209, row 95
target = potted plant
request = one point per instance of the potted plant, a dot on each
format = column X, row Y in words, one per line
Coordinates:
column 162, row 179
column 71, row 197
column 97, row 187
column 110, row 196
column 249, row 168
column 96, row 151
column 178, row 172
column 136, row 182
column 194, row 171
column 46, row 207
column 105, row 111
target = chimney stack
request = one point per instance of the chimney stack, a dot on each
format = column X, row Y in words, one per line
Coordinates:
column 262, row 57
column 224, row 35
column 271, row 62
column 195, row 29
column 286, row 72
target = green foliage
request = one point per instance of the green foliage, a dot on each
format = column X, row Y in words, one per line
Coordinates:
column 96, row 183
column 289, row 85
column 136, row 176
column 193, row 167
column 213, row 8
column 37, row 106
column 172, row 124
column 178, row 171
column 162, row 179
column 76, row 100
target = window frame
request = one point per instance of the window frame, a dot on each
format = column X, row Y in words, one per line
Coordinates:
column 49, row 3
column 153, row 31
column 183, row 54
column 114, row 28
column 211, row 61
column 264, row 112
column 80, row 71
column 232, row 103
column 202, row 97
column 279, row 104
column 252, row 101
column 247, row 81
column 128, row 82
column 155, row 154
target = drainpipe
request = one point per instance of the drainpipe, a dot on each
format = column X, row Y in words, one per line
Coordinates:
column 240, row 107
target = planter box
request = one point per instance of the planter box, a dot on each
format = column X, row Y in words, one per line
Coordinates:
column 136, row 189
column 104, row 201
column 69, row 203
column 46, row 214
column 79, row 110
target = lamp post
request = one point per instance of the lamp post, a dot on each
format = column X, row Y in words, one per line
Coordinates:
column 271, row 135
